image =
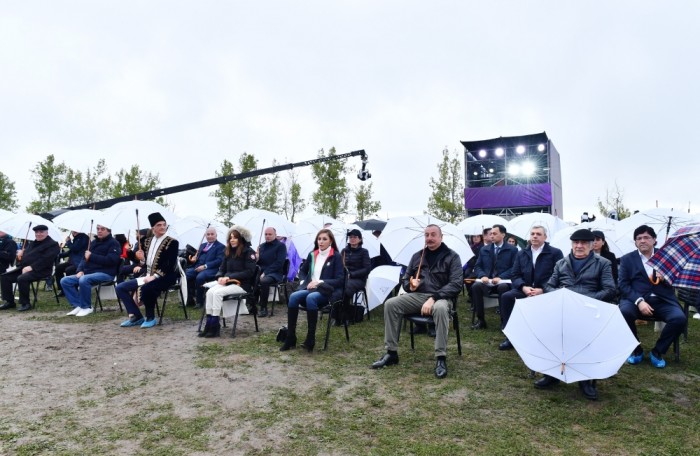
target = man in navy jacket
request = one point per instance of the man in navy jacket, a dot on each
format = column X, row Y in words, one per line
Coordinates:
column 495, row 263
column 533, row 268
column 271, row 256
column 643, row 293
column 206, row 265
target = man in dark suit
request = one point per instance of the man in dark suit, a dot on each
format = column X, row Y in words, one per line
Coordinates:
column 34, row 264
column 271, row 256
column 643, row 293
column 206, row 265
column 495, row 263
column 533, row 268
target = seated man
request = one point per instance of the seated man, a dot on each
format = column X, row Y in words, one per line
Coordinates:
column 99, row 264
column 8, row 251
column 271, row 256
column 77, row 245
column 533, row 268
column 36, row 263
column 433, row 278
column 159, row 258
column 206, row 264
column 495, row 263
column 644, row 294
column 586, row 273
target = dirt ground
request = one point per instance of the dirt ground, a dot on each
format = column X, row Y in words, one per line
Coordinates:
column 92, row 378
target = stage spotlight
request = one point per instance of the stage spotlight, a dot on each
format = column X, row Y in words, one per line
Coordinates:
column 499, row 152
column 490, row 170
column 482, row 153
column 520, row 149
column 540, row 148
column 528, row 168
column 514, row 169
column 475, row 173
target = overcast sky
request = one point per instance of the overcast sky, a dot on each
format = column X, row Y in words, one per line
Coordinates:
column 180, row 86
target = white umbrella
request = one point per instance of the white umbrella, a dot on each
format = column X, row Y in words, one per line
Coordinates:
column 121, row 218
column 664, row 221
column 306, row 231
column 369, row 241
column 190, row 230
column 80, row 220
column 561, row 239
column 256, row 220
column 570, row 336
column 476, row 224
column 404, row 236
column 520, row 225
column 5, row 214
column 320, row 221
column 20, row 226
column 380, row 282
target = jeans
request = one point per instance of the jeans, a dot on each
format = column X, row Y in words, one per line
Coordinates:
column 78, row 291
column 312, row 300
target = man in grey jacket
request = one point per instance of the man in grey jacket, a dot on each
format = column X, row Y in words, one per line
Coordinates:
column 432, row 280
column 585, row 273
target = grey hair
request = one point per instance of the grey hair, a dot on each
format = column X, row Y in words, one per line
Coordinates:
column 544, row 228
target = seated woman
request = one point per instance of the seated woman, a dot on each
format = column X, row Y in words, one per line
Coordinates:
column 356, row 261
column 321, row 281
column 600, row 247
column 235, row 276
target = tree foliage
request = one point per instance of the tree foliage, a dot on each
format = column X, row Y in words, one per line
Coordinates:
column 8, row 195
column 271, row 192
column 446, row 202
column 293, row 203
column 614, row 201
column 49, row 177
column 225, row 195
column 331, row 195
column 364, row 205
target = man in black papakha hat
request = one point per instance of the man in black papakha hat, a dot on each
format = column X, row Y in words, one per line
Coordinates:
column 158, row 268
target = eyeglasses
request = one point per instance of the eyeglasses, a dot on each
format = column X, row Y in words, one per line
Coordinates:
column 644, row 238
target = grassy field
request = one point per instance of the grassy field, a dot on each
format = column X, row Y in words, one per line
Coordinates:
column 332, row 403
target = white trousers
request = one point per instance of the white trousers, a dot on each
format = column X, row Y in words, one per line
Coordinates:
column 215, row 298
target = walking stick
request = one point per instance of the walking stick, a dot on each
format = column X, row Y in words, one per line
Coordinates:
column 24, row 242
column 89, row 240
column 193, row 258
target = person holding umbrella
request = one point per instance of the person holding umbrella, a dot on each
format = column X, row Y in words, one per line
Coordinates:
column 645, row 294
column 432, row 279
column 34, row 263
column 586, row 273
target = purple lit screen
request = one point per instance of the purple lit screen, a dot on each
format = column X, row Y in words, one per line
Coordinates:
column 508, row 196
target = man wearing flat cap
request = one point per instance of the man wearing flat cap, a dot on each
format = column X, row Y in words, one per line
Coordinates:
column 585, row 273
column 34, row 263
column 159, row 257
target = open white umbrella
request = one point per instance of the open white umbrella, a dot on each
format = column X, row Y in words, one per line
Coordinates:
column 476, row 224
column 256, row 220
column 561, row 239
column 380, row 282
column 21, row 226
column 664, row 221
column 520, row 225
column 80, row 220
column 190, row 230
column 122, row 217
column 570, row 336
column 404, row 236
column 306, row 231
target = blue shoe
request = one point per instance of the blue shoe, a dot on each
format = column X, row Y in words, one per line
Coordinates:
column 635, row 359
column 130, row 322
column 149, row 323
column 658, row 363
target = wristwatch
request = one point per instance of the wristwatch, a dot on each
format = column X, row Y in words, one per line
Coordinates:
column 636, row 303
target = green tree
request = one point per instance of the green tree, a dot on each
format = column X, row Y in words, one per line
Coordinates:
column 293, row 203
column 446, row 202
column 8, row 195
column 331, row 195
column 96, row 184
column 364, row 205
column 271, row 192
column 225, row 195
column 72, row 188
column 248, row 193
column 48, row 177
column 132, row 181
column 614, row 200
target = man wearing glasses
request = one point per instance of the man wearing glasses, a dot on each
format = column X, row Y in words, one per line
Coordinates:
column 644, row 294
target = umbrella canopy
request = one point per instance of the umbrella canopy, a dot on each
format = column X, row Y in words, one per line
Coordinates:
column 20, row 226
column 570, row 336
column 190, row 230
column 80, row 220
column 404, row 236
column 122, row 217
column 380, row 282
column 371, row 224
column 561, row 239
column 678, row 261
column 369, row 241
column 256, row 220
column 306, row 232
column 476, row 224
column 520, row 225
column 664, row 221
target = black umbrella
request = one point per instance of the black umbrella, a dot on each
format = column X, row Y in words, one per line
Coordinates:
column 371, row 224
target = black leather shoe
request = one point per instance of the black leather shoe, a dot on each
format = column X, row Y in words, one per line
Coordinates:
column 24, row 308
column 7, row 305
column 386, row 360
column 505, row 345
column 289, row 343
column 480, row 324
column 262, row 313
column 546, row 382
column 441, row 368
column 588, row 389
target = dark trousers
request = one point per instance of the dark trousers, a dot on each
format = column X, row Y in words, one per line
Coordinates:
column 667, row 311
column 23, row 283
column 148, row 294
column 196, row 281
column 506, row 303
column 265, row 284
column 479, row 290
column 63, row 269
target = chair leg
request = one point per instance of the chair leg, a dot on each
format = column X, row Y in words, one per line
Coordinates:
column 201, row 319
column 328, row 331
column 235, row 319
column 161, row 311
column 410, row 331
column 184, row 304
column 455, row 325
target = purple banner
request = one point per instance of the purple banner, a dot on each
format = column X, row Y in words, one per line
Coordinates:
column 508, row 196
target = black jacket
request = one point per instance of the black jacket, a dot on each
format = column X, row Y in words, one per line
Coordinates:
column 241, row 268
column 443, row 281
column 356, row 262
column 76, row 249
column 8, row 252
column 104, row 257
column 40, row 256
column 523, row 271
column 593, row 280
column 332, row 274
column 504, row 262
column 271, row 259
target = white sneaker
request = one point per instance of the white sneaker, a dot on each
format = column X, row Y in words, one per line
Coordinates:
column 84, row 312
column 74, row 311
column 697, row 316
